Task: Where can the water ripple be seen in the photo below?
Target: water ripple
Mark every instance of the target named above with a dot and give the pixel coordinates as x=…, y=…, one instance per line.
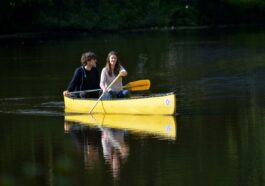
x=40, y=106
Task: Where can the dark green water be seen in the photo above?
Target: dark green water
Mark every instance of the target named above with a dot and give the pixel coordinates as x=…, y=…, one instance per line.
x=218, y=76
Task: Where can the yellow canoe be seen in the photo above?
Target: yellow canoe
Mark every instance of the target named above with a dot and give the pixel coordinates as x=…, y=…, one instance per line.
x=158, y=125
x=157, y=104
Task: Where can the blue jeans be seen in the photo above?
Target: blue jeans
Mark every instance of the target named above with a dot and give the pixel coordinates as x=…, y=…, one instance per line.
x=113, y=94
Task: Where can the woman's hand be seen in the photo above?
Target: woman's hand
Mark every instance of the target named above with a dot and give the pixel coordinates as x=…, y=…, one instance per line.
x=103, y=87
x=104, y=90
x=123, y=73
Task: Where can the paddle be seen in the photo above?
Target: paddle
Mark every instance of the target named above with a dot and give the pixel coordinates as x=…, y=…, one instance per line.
x=132, y=86
x=138, y=85
x=105, y=92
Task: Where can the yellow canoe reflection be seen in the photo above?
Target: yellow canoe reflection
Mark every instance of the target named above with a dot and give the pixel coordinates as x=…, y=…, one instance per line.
x=162, y=126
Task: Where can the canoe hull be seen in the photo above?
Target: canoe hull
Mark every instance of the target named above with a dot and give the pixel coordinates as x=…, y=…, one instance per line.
x=160, y=104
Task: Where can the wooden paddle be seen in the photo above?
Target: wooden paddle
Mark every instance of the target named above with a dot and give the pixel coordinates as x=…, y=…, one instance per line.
x=114, y=81
x=132, y=86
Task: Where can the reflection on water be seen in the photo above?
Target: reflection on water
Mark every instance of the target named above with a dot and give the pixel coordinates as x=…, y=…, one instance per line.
x=109, y=136
x=86, y=140
x=218, y=77
x=115, y=150
x=162, y=127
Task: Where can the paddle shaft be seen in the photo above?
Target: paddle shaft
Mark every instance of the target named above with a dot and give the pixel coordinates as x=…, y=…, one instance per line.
x=94, y=90
x=145, y=84
x=104, y=92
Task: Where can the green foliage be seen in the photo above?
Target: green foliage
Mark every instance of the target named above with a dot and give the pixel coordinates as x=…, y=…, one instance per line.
x=54, y=15
x=245, y=11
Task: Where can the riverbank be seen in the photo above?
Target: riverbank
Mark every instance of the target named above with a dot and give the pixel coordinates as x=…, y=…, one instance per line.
x=78, y=33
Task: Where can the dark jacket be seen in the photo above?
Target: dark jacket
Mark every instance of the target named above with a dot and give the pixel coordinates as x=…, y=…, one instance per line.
x=85, y=80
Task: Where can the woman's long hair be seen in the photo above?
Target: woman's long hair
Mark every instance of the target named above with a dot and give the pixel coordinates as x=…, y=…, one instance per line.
x=108, y=65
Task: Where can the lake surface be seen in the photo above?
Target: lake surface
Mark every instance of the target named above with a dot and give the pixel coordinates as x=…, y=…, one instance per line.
x=218, y=133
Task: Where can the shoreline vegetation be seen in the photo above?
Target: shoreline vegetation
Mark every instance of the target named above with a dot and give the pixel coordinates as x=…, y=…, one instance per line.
x=35, y=18
x=76, y=33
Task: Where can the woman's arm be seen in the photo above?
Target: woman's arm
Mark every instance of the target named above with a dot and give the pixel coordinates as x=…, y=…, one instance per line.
x=103, y=77
x=103, y=87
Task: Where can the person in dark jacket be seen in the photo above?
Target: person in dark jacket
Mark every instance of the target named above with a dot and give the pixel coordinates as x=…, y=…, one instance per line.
x=86, y=77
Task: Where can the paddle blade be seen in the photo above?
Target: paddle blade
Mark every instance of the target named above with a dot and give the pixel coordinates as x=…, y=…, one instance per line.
x=138, y=85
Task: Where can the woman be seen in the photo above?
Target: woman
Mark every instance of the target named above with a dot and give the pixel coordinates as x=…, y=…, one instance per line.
x=108, y=74
x=86, y=77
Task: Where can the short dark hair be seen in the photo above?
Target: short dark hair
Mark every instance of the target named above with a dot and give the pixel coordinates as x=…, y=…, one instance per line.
x=87, y=56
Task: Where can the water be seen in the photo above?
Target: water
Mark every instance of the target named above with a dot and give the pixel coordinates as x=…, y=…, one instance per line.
x=218, y=77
